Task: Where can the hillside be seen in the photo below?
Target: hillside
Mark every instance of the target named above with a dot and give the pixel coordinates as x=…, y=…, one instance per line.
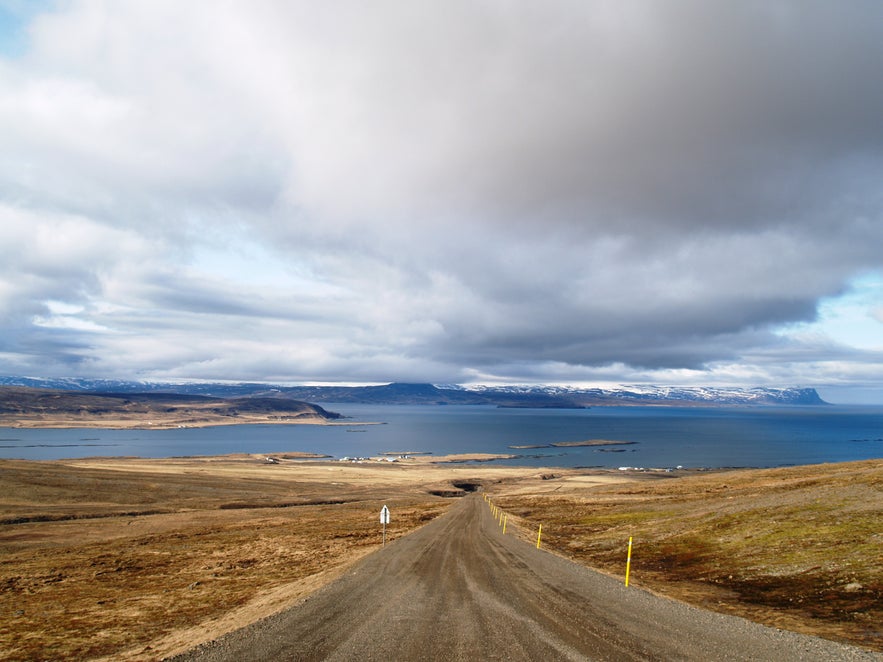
x=136, y=559
x=32, y=407
x=794, y=547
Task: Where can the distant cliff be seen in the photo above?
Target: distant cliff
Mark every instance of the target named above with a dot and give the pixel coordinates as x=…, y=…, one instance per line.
x=666, y=395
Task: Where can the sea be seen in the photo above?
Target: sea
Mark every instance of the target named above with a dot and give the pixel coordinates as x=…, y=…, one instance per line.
x=661, y=437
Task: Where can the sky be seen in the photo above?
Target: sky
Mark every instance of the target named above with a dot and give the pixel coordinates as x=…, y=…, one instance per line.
x=676, y=192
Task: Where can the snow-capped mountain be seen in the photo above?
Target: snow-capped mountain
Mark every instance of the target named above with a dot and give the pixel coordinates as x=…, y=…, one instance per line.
x=500, y=395
x=646, y=394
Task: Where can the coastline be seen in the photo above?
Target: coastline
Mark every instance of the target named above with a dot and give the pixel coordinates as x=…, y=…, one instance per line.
x=125, y=424
x=671, y=441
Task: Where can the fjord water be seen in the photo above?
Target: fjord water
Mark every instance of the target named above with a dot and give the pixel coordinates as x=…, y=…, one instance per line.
x=665, y=437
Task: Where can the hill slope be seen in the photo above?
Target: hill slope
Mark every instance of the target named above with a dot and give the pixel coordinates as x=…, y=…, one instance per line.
x=31, y=407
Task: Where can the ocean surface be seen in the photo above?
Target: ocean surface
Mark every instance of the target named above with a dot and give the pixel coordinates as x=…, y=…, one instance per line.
x=664, y=437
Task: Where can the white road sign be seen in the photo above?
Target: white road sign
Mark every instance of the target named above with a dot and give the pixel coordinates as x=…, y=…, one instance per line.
x=384, y=515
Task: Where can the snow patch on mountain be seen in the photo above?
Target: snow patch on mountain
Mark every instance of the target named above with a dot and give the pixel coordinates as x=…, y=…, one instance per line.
x=648, y=392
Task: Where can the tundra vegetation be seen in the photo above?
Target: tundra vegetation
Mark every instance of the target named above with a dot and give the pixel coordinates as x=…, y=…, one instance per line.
x=126, y=558
x=797, y=548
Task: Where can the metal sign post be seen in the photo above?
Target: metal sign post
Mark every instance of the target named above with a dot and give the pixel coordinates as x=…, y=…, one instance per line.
x=384, y=519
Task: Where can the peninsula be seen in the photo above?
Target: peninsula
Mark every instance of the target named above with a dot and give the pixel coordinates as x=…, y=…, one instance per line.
x=49, y=408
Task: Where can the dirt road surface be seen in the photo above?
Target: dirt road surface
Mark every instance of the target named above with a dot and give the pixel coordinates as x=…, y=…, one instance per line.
x=458, y=589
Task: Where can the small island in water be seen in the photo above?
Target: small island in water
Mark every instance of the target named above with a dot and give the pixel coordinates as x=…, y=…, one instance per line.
x=573, y=444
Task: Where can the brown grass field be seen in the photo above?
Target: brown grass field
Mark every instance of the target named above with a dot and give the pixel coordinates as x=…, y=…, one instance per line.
x=133, y=559
x=138, y=559
x=797, y=548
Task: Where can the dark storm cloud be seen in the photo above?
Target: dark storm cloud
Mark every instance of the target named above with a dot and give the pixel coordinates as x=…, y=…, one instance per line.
x=658, y=117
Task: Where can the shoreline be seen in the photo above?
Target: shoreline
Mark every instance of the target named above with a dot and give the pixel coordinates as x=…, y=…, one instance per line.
x=425, y=460
x=120, y=424
x=410, y=459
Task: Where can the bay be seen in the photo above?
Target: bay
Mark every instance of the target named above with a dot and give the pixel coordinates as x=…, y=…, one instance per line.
x=664, y=437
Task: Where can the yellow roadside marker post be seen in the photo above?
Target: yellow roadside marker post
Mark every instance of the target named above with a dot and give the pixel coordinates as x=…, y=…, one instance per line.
x=628, y=562
x=539, y=535
x=505, y=522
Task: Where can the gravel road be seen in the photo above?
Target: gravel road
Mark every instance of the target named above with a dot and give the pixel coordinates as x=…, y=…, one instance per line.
x=458, y=589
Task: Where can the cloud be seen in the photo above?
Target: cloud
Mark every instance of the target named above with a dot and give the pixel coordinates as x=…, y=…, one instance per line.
x=446, y=191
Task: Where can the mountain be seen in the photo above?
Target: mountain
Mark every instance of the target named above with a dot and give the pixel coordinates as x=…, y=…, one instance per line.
x=404, y=393
x=668, y=395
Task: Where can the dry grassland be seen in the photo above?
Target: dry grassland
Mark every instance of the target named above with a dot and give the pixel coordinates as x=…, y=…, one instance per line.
x=138, y=559
x=116, y=558
x=798, y=548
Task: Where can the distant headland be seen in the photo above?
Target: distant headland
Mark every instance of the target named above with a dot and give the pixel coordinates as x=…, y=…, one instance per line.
x=26, y=407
